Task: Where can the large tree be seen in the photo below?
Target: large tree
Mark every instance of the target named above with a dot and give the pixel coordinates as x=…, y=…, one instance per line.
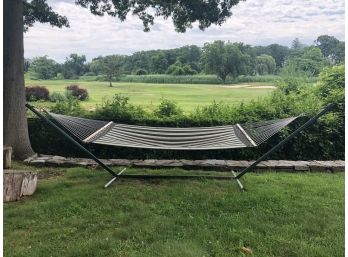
x=111, y=67
x=74, y=66
x=43, y=67
x=226, y=59
x=331, y=47
x=265, y=64
x=19, y=15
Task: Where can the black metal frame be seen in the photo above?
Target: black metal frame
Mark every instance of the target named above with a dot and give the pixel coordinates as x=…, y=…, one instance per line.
x=145, y=176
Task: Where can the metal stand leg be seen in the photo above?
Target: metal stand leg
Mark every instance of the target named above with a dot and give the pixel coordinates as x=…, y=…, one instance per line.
x=242, y=188
x=114, y=178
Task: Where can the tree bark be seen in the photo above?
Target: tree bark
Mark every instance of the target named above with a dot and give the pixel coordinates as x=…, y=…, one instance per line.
x=15, y=121
x=17, y=184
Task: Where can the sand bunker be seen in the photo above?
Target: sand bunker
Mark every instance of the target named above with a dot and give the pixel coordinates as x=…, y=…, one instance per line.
x=248, y=86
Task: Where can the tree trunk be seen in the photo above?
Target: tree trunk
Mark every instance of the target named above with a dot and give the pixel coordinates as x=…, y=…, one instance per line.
x=17, y=184
x=110, y=81
x=15, y=121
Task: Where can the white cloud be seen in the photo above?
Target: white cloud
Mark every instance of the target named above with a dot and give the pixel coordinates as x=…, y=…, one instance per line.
x=255, y=22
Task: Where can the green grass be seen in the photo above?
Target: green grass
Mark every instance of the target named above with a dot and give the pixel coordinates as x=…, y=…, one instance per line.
x=282, y=214
x=193, y=79
x=149, y=95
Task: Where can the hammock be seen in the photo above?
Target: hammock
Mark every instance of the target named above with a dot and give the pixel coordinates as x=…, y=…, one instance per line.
x=194, y=138
x=198, y=138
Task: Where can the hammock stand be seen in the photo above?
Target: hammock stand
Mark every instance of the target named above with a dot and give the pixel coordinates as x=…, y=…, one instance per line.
x=173, y=138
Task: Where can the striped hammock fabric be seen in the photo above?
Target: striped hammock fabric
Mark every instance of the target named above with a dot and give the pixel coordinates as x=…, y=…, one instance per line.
x=194, y=138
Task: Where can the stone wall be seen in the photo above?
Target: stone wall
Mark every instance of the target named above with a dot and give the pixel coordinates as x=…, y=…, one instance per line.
x=218, y=165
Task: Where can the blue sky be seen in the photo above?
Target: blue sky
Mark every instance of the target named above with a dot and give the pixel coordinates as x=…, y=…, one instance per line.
x=254, y=22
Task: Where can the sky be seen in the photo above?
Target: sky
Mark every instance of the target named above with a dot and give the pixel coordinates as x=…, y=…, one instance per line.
x=255, y=22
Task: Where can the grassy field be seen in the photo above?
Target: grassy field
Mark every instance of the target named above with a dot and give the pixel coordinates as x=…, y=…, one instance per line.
x=282, y=214
x=149, y=95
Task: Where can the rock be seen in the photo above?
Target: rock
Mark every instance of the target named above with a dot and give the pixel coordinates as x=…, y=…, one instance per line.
x=29, y=159
x=319, y=166
x=212, y=164
x=18, y=184
x=335, y=165
x=38, y=162
x=120, y=162
x=237, y=165
x=301, y=165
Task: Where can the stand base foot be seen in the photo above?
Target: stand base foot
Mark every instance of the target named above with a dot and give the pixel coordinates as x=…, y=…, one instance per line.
x=242, y=188
x=114, y=178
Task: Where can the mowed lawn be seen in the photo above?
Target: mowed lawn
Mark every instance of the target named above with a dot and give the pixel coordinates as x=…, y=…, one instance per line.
x=282, y=214
x=149, y=95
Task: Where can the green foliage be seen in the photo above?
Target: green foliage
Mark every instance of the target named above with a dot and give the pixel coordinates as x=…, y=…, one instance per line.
x=159, y=62
x=278, y=52
x=141, y=72
x=331, y=47
x=331, y=84
x=70, y=105
x=265, y=64
x=179, y=69
x=39, y=10
x=57, y=97
x=110, y=66
x=227, y=59
x=74, y=66
x=330, y=89
x=193, y=79
x=168, y=108
x=308, y=61
x=89, y=74
x=222, y=58
x=43, y=67
x=119, y=109
x=183, y=14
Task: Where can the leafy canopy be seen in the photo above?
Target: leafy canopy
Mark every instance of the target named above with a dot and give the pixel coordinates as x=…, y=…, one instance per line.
x=39, y=10
x=227, y=59
x=43, y=67
x=183, y=13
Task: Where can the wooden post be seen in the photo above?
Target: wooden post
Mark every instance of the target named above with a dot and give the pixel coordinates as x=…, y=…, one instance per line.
x=7, y=157
x=18, y=184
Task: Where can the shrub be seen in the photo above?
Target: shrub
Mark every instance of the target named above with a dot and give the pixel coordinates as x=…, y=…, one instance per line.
x=141, y=72
x=90, y=73
x=180, y=69
x=119, y=109
x=59, y=76
x=57, y=97
x=71, y=106
x=37, y=93
x=168, y=108
x=79, y=93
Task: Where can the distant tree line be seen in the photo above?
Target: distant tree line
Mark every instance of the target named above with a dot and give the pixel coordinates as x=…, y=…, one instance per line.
x=225, y=59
